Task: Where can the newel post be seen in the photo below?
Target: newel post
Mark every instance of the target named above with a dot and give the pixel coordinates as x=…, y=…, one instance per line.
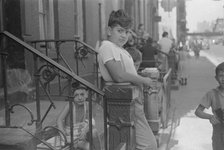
x=120, y=108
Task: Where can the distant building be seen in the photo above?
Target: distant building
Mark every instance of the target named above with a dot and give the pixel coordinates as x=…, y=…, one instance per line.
x=219, y=25
x=204, y=26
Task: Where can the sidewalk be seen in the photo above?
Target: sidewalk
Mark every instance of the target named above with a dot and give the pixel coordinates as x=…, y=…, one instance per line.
x=186, y=131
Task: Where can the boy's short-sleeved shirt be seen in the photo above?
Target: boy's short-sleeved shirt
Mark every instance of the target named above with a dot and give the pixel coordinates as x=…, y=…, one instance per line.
x=165, y=44
x=209, y=100
x=109, y=51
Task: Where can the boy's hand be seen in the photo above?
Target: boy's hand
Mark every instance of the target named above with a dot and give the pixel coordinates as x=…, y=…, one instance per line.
x=150, y=82
x=214, y=120
x=154, y=84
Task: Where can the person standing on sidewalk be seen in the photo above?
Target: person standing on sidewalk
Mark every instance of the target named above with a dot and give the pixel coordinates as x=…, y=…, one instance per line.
x=149, y=54
x=165, y=45
x=130, y=46
x=116, y=65
x=215, y=99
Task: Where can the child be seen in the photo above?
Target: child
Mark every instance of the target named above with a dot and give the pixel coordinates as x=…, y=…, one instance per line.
x=80, y=118
x=215, y=99
x=116, y=65
x=136, y=56
x=133, y=51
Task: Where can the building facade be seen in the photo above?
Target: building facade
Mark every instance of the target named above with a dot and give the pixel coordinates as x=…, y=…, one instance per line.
x=32, y=20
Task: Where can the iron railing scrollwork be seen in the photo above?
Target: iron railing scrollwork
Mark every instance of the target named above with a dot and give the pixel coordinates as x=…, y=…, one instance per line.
x=80, y=50
x=45, y=72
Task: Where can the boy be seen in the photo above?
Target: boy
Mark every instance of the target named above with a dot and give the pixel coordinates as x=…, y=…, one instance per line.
x=215, y=99
x=130, y=46
x=80, y=118
x=116, y=65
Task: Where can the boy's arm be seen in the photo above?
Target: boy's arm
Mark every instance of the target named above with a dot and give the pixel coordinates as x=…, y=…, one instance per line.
x=119, y=75
x=201, y=114
x=61, y=118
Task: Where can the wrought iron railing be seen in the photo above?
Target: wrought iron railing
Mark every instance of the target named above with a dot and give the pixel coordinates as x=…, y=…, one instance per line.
x=82, y=57
x=45, y=70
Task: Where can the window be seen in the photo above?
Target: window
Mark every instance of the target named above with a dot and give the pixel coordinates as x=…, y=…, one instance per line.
x=46, y=21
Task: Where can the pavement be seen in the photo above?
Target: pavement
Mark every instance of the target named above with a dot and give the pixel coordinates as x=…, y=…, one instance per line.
x=185, y=130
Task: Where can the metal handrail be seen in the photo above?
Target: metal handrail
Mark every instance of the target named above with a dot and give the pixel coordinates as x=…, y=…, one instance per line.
x=81, y=49
x=52, y=62
x=65, y=40
x=72, y=76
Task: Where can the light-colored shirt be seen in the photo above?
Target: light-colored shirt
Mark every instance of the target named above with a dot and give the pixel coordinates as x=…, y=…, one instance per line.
x=165, y=44
x=209, y=99
x=110, y=51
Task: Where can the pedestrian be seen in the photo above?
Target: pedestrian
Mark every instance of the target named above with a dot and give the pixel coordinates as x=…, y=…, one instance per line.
x=130, y=46
x=165, y=43
x=81, y=123
x=142, y=35
x=149, y=53
x=215, y=99
x=165, y=46
x=116, y=65
x=141, y=30
x=196, y=49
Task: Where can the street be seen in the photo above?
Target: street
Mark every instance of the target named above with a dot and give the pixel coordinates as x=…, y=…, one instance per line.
x=186, y=131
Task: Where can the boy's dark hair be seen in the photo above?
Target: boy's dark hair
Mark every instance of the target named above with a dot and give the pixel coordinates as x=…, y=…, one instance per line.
x=135, y=54
x=77, y=85
x=164, y=34
x=149, y=40
x=219, y=68
x=140, y=25
x=119, y=17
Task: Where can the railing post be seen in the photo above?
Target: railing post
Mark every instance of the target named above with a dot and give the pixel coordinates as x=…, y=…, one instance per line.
x=4, y=74
x=58, y=59
x=90, y=120
x=151, y=100
x=71, y=108
x=105, y=122
x=173, y=62
x=77, y=58
x=37, y=80
x=151, y=108
x=120, y=105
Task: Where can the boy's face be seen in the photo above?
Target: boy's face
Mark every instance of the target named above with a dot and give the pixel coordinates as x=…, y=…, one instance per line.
x=220, y=78
x=137, y=65
x=141, y=28
x=131, y=40
x=118, y=35
x=80, y=96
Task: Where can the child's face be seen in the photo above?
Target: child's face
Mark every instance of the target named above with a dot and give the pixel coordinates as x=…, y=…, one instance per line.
x=131, y=40
x=80, y=96
x=137, y=65
x=118, y=35
x=220, y=78
x=141, y=28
